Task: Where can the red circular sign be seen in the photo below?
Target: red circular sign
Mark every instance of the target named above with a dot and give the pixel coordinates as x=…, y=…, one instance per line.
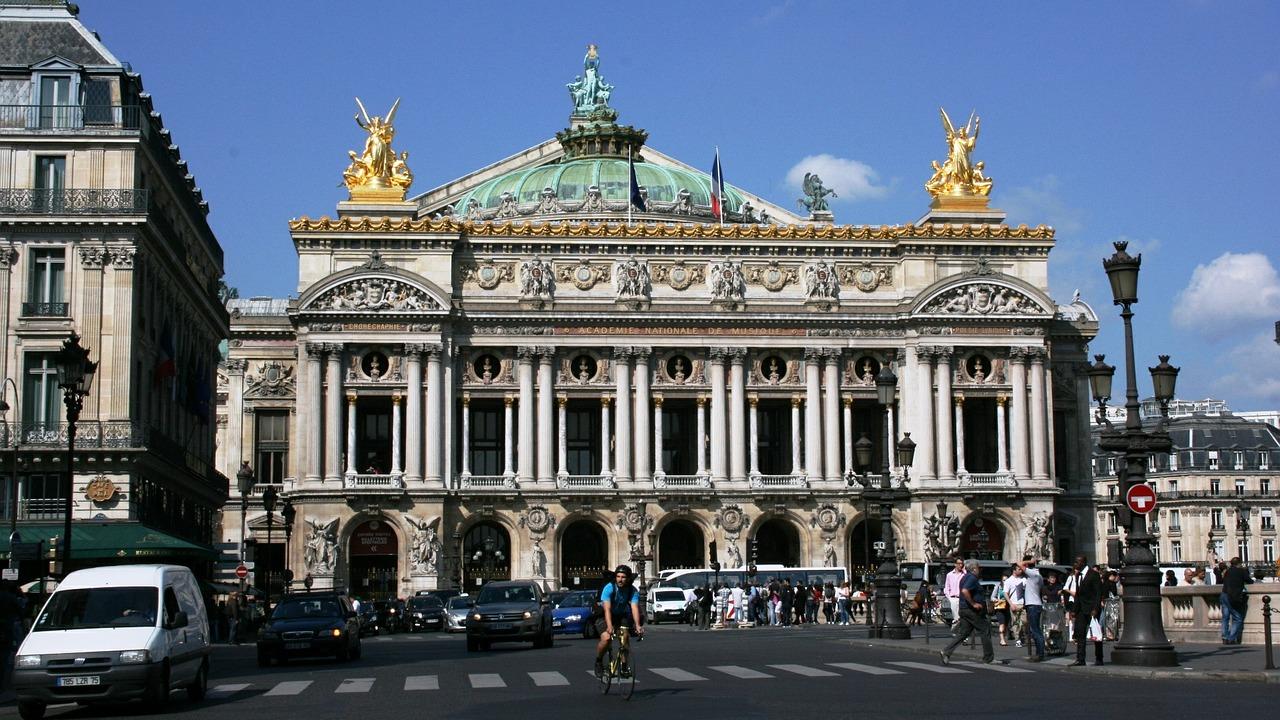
x=242, y=572
x=1141, y=498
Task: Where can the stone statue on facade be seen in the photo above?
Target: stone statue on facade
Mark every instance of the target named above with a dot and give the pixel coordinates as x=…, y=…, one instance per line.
x=320, y=551
x=725, y=281
x=537, y=559
x=535, y=278
x=377, y=171
x=815, y=194
x=734, y=556
x=589, y=91
x=820, y=281
x=829, y=553
x=1039, y=537
x=425, y=546
x=631, y=278
x=959, y=175
x=941, y=537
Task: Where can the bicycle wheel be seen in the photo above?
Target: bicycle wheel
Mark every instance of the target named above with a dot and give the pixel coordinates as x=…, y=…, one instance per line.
x=607, y=670
x=627, y=683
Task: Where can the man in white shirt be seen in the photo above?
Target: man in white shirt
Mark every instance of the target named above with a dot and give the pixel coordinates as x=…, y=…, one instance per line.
x=1032, y=583
x=951, y=588
x=1014, y=588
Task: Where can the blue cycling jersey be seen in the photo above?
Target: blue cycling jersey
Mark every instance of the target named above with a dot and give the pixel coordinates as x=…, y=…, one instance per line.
x=619, y=598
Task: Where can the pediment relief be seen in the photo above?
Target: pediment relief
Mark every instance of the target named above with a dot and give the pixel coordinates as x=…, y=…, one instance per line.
x=983, y=299
x=375, y=293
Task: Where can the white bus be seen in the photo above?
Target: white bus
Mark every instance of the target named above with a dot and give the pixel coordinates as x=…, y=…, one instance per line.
x=694, y=577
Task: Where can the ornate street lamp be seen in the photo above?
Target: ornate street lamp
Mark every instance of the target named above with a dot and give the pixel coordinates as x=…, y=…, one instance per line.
x=269, y=496
x=1100, y=376
x=244, y=483
x=287, y=513
x=1142, y=638
x=75, y=377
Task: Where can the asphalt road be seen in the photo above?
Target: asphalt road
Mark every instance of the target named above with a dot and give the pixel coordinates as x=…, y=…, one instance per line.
x=751, y=673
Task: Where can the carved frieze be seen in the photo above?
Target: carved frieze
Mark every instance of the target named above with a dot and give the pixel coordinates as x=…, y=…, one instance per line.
x=867, y=277
x=773, y=276
x=821, y=281
x=983, y=299
x=536, y=279
x=725, y=281
x=375, y=293
x=271, y=379
x=583, y=274
x=488, y=274
x=631, y=279
x=677, y=275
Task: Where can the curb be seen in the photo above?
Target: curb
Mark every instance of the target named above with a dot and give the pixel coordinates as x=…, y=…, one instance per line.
x=1271, y=677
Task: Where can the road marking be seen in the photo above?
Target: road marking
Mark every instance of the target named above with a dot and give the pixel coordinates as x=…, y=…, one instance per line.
x=805, y=670
x=416, y=637
x=676, y=674
x=228, y=689
x=994, y=667
x=289, y=687
x=868, y=669
x=940, y=669
x=1060, y=661
x=422, y=682
x=486, y=680
x=739, y=672
x=355, y=685
x=380, y=638
x=545, y=679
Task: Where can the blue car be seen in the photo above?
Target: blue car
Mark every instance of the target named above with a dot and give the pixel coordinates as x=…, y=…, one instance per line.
x=572, y=614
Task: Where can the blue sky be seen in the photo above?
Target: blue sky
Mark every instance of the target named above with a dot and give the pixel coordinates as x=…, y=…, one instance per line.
x=1135, y=120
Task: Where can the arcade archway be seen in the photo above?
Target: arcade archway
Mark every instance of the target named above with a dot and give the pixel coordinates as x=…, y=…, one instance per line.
x=373, y=554
x=863, y=556
x=584, y=555
x=486, y=552
x=681, y=545
x=778, y=543
x=982, y=538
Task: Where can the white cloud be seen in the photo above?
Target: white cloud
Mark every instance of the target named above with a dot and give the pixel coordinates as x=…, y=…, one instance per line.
x=851, y=179
x=1255, y=365
x=1233, y=292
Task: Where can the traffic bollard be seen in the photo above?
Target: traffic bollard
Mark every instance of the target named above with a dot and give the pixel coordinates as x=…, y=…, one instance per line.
x=1266, y=630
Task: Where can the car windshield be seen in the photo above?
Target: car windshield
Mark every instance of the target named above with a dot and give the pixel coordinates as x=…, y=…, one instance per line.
x=422, y=603
x=99, y=608
x=506, y=594
x=670, y=596
x=459, y=603
x=295, y=609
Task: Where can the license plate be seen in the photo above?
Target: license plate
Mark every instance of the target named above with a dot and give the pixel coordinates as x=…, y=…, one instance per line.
x=297, y=645
x=78, y=680
x=501, y=626
x=557, y=623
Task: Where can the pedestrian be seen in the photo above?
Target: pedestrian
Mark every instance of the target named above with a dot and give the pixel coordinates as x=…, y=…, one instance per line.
x=1111, y=605
x=739, y=610
x=1000, y=608
x=973, y=616
x=1235, y=603
x=786, y=599
x=829, y=602
x=812, y=602
x=1033, y=599
x=1170, y=580
x=233, y=619
x=915, y=611
x=775, y=602
x=798, y=601
x=951, y=588
x=1087, y=596
x=1014, y=592
x=842, y=603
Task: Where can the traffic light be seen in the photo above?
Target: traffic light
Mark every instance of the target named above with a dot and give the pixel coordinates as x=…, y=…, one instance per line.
x=715, y=558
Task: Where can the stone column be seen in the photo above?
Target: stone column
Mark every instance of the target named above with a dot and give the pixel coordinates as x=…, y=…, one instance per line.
x=604, y=436
x=1018, y=417
x=466, y=434
x=737, y=415
x=10, y=279
x=435, y=417
x=831, y=414
x=849, y=469
x=89, y=317
x=892, y=440
x=812, y=415
x=959, y=412
x=642, y=457
x=508, y=445
x=1049, y=420
x=700, y=446
x=235, y=414
x=122, y=330
x=562, y=436
x=1039, y=437
x=924, y=469
x=414, y=422
x=351, y=433
x=796, y=469
x=333, y=413
x=546, y=396
x=944, y=414
x=314, y=421
x=622, y=438
x=395, y=434
x=525, y=452
x=1002, y=435
x=719, y=444
x=753, y=400
x=657, y=437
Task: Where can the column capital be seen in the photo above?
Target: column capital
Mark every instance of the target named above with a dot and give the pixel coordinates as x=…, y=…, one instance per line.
x=546, y=352
x=657, y=400
x=753, y=399
x=701, y=400
x=236, y=366
x=848, y=400
x=508, y=400
x=316, y=349
x=1018, y=354
x=1002, y=400
x=814, y=354
x=717, y=354
x=833, y=354
x=641, y=352
x=562, y=399
x=797, y=401
x=1037, y=355
x=943, y=353
x=924, y=352
x=736, y=355
x=395, y=399
x=605, y=399
x=959, y=399
x=466, y=399
x=526, y=353
x=621, y=352
x=351, y=398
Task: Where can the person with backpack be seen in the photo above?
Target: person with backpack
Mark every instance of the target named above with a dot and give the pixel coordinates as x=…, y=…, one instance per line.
x=620, y=602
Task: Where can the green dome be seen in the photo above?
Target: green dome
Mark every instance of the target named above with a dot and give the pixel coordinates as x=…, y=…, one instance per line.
x=571, y=179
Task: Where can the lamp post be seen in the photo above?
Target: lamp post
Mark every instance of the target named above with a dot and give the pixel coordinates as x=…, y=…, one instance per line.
x=488, y=557
x=454, y=560
x=244, y=483
x=269, y=496
x=1142, y=638
x=75, y=378
x=14, y=535
x=287, y=513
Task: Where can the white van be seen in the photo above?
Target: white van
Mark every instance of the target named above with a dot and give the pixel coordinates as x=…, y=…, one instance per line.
x=664, y=603
x=115, y=633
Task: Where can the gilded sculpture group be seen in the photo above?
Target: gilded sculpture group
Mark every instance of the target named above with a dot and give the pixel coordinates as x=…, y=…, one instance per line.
x=377, y=170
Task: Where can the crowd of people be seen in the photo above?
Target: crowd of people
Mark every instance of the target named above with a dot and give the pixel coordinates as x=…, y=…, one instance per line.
x=777, y=603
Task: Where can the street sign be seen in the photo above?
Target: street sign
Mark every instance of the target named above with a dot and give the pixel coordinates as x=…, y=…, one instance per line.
x=9, y=574
x=242, y=572
x=1141, y=498
x=878, y=545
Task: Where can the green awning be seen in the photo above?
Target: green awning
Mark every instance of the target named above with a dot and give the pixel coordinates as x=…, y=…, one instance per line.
x=112, y=540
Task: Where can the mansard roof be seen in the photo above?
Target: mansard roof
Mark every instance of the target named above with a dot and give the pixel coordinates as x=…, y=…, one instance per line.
x=32, y=32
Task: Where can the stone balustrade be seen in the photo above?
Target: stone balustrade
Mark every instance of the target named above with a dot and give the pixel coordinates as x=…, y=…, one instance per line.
x=1192, y=613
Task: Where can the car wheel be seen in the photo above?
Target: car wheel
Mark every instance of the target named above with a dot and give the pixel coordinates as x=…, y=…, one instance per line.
x=30, y=709
x=200, y=686
x=157, y=696
x=473, y=645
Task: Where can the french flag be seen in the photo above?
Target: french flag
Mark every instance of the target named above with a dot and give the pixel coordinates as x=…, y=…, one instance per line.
x=717, y=188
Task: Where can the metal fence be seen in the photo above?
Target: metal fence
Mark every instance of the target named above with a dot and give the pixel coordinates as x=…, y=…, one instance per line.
x=73, y=201
x=70, y=118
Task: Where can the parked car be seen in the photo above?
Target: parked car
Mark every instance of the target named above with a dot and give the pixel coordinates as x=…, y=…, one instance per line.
x=310, y=624
x=425, y=612
x=665, y=603
x=370, y=623
x=444, y=595
x=115, y=633
x=510, y=611
x=572, y=614
x=456, y=610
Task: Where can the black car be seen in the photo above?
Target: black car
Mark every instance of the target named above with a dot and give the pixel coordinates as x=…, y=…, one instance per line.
x=509, y=611
x=370, y=624
x=310, y=624
x=425, y=612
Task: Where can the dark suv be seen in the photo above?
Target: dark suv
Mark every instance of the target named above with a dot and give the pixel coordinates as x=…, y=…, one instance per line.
x=509, y=611
x=310, y=624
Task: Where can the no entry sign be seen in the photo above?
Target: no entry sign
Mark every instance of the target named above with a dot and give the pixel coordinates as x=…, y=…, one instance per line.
x=242, y=572
x=1141, y=498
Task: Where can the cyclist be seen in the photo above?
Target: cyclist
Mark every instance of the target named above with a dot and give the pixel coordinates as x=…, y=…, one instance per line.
x=615, y=599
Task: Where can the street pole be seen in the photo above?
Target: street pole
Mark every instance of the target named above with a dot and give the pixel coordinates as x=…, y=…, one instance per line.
x=269, y=505
x=14, y=536
x=75, y=377
x=244, y=482
x=888, y=586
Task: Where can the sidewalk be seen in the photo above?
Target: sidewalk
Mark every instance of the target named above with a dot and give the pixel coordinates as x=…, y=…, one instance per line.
x=1235, y=663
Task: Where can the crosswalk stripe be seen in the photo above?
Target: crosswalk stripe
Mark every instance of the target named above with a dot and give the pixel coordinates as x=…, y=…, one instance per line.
x=422, y=682
x=940, y=669
x=487, y=680
x=676, y=674
x=740, y=672
x=228, y=688
x=1060, y=661
x=994, y=667
x=868, y=669
x=355, y=685
x=546, y=679
x=380, y=638
x=805, y=670
x=289, y=687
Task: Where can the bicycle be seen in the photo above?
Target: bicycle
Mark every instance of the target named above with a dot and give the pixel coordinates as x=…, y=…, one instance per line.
x=616, y=664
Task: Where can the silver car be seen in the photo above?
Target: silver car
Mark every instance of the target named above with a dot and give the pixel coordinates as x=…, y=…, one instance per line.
x=455, y=613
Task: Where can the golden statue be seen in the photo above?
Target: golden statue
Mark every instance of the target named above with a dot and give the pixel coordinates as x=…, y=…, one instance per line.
x=959, y=176
x=377, y=173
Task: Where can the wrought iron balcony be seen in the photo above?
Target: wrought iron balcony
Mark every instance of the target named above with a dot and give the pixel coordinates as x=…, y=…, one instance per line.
x=44, y=309
x=76, y=119
x=73, y=201
x=89, y=434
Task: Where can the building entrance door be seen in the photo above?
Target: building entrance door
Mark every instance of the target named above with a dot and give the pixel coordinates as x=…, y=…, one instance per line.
x=372, y=558
x=584, y=556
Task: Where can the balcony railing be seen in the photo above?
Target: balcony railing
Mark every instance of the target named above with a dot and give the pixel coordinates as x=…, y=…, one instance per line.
x=585, y=481
x=372, y=480
x=778, y=481
x=478, y=482
x=91, y=119
x=682, y=481
x=73, y=201
x=89, y=434
x=997, y=480
x=42, y=509
x=44, y=309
